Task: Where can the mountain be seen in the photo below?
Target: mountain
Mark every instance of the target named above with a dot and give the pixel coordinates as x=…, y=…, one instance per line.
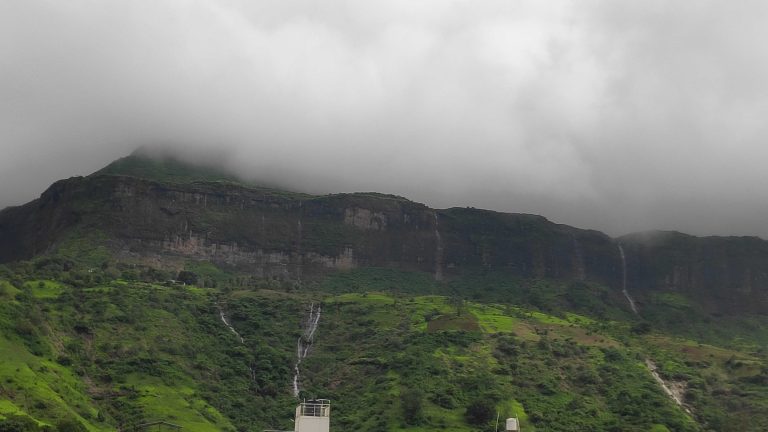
x=166, y=212
x=156, y=289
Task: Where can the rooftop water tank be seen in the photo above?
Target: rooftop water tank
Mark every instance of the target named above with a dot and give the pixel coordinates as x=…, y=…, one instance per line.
x=512, y=425
x=313, y=416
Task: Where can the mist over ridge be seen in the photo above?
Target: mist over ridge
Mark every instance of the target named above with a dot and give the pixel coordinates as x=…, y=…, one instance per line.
x=614, y=117
x=165, y=163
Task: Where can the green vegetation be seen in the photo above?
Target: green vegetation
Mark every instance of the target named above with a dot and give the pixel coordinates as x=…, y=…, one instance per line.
x=107, y=347
x=170, y=170
x=121, y=320
x=116, y=353
x=86, y=247
x=165, y=169
x=462, y=374
x=380, y=279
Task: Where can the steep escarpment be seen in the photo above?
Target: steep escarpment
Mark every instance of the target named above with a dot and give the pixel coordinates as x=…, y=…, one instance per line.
x=722, y=273
x=166, y=220
x=527, y=245
x=277, y=234
x=33, y=228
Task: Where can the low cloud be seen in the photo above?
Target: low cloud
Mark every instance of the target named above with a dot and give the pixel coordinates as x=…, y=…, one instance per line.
x=600, y=114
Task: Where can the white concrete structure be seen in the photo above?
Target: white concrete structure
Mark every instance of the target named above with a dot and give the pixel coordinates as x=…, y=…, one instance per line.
x=512, y=425
x=313, y=416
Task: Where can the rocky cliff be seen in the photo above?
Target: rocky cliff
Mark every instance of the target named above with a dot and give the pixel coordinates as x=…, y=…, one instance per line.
x=276, y=234
x=722, y=273
x=281, y=234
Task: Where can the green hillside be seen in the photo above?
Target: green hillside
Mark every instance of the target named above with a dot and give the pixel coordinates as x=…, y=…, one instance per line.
x=171, y=170
x=165, y=169
x=155, y=290
x=113, y=347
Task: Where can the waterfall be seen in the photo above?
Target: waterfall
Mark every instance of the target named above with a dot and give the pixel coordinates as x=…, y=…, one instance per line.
x=229, y=326
x=624, y=280
x=675, y=391
x=438, y=252
x=304, y=343
x=226, y=322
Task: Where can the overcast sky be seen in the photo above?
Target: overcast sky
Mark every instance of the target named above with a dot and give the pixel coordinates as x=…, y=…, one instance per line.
x=612, y=115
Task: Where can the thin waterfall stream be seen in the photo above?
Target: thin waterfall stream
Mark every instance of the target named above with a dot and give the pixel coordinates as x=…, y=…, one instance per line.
x=624, y=280
x=674, y=391
x=229, y=326
x=304, y=343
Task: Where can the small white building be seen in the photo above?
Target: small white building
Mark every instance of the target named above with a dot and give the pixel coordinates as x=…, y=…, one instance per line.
x=313, y=416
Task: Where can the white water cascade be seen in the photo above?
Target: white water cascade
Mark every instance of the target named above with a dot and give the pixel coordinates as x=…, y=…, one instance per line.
x=239, y=337
x=305, y=342
x=675, y=391
x=229, y=326
x=624, y=280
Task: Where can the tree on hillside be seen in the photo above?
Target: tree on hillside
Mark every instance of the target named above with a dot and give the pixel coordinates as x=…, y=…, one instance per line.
x=70, y=425
x=479, y=412
x=411, y=401
x=187, y=277
x=18, y=423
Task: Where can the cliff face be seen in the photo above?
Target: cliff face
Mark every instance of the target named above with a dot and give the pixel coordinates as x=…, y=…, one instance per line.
x=280, y=234
x=277, y=234
x=722, y=273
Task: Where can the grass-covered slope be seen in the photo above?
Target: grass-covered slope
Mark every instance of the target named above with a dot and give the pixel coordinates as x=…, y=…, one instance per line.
x=108, y=347
x=115, y=354
x=165, y=169
x=168, y=169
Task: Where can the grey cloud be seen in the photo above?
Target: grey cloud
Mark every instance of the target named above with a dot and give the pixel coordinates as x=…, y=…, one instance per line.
x=617, y=116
